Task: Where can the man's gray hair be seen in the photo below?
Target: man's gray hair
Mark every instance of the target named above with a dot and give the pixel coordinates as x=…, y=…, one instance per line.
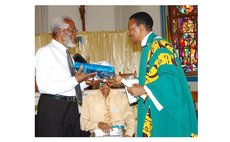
x=59, y=24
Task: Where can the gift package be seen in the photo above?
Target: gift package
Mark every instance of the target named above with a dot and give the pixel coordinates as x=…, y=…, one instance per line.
x=103, y=71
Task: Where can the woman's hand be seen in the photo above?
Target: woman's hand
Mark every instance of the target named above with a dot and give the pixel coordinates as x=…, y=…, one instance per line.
x=105, y=127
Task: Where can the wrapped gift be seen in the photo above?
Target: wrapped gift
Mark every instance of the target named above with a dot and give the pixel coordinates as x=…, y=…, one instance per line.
x=116, y=131
x=103, y=71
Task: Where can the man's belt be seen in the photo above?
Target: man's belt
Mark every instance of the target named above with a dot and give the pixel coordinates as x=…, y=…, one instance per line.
x=60, y=97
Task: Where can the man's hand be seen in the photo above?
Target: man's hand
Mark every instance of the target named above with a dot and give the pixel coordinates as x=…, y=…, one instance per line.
x=105, y=127
x=114, y=81
x=136, y=90
x=80, y=77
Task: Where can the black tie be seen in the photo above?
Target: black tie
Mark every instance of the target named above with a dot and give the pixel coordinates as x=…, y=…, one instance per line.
x=73, y=72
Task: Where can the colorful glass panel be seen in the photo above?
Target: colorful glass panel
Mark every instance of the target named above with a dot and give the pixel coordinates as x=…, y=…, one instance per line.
x=185, y=9
x=184, y=35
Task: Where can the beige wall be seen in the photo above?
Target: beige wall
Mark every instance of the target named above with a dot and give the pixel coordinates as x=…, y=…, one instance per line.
x=73, y=11
x=154, y=11
x=98, y=18
x=193, y=86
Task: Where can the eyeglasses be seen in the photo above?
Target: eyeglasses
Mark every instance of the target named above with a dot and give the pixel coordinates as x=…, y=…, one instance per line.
x=102, y=87
x=72, y=30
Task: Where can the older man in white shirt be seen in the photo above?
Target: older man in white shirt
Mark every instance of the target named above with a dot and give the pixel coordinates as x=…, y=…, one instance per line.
x=56, y=78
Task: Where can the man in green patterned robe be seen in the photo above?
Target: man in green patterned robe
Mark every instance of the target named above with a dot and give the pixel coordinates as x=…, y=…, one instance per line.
x=166, y=109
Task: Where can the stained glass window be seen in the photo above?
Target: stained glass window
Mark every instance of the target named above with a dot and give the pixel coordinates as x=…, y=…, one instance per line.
x=184, y=34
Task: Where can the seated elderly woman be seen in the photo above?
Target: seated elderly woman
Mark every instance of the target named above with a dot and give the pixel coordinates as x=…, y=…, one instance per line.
x=105, y=108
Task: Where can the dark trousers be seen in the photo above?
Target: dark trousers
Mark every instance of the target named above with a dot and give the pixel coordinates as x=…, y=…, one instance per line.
x=57, y=118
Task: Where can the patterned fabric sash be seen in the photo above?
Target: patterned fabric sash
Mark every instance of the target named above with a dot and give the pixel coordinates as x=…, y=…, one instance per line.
x=107, y=115
x=147, y=125
x=152, y=64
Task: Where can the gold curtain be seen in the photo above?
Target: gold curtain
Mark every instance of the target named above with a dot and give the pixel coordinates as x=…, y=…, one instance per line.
x=114, y=47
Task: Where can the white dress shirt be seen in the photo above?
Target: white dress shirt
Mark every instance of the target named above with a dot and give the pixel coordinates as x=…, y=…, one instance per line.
x=52, y=71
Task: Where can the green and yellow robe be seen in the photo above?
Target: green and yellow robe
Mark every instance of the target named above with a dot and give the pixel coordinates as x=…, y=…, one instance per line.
x=160, y=70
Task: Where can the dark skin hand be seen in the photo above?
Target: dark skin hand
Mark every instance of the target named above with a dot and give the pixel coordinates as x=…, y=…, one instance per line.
x=105, y=127
x=136, y=90
x=114, y=81
x=80, y=77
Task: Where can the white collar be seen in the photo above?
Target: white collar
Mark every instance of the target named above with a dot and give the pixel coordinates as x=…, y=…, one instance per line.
x=59, y=45
x=144, y=41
